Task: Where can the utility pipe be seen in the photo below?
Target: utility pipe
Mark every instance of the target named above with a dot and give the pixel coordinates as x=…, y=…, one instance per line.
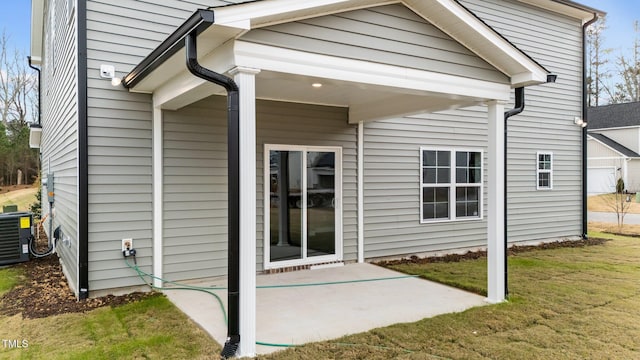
x=584, y=129
x=519, y=107
x=233, y=158
x=39, y=90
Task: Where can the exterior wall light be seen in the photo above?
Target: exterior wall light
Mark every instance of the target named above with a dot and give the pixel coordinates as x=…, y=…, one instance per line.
x=578, y=121
x=109, y=72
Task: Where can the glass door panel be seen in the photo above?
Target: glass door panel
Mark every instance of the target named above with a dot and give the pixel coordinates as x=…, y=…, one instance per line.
x=302, y=208
x=286, y=217
x=321, y=233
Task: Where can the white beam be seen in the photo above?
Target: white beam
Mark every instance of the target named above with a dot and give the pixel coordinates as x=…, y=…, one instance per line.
x=375, y=76
x=245, y=78
x=157, y=196
x=495, y=222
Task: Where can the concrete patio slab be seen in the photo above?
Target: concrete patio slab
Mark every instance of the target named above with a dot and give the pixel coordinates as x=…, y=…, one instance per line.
x=298, y=315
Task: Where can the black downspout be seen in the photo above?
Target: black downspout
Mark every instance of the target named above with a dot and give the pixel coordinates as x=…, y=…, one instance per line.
x=39, y=90
x=83, y=155
x=584, y=129
x=507, y=114
x=233, y=143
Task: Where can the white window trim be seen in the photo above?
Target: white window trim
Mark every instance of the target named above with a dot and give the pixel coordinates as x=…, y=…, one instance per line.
x=452, y=185
x=539, y=171
x=338, y=256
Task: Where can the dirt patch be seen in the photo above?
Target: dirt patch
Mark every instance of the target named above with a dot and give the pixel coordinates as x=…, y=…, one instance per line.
x=44, y=291
x=473, y=255
x=9, y=188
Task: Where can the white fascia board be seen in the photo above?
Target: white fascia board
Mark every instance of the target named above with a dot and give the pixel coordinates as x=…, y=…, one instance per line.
x=184, y=88
x=391, y=78
x=528, y=78
x=456, y=21
x=37, y=22
x=263, y=13
x=563, y=9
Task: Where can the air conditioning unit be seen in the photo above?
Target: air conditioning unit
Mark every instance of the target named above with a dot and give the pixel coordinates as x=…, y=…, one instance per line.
x=15, y=231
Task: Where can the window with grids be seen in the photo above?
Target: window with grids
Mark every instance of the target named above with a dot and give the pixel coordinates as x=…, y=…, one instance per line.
x=545, y=171
x=451, y=185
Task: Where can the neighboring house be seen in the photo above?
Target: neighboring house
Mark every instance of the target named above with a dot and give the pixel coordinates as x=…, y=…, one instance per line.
x=377, y=128
x=613, y=147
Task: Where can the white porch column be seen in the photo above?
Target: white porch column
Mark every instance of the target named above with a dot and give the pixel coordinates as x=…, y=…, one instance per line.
x=495, y=222
x=157, y=196
x=360, y=191
x=245, y=78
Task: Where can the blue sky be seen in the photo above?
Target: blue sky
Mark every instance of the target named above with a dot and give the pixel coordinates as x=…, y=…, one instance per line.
x=15, y=18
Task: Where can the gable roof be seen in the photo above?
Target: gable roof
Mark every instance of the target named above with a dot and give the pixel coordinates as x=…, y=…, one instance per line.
x=448, y=15
x=613, y=116
x=614, y=145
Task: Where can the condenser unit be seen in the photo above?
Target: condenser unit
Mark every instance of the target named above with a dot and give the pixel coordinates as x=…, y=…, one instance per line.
x=15, y=231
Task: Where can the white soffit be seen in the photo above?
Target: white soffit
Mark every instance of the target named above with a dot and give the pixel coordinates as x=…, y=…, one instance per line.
x=37, y=21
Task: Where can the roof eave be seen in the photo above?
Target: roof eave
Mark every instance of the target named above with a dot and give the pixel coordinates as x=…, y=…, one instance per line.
x=199, y=21
x=37, y=21
x=567, y=8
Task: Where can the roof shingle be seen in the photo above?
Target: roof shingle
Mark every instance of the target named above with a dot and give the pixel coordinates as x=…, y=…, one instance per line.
x=613, y=116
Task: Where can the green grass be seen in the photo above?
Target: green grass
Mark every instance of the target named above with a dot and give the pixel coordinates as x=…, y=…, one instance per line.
x=149, y=329
x=567, y=303
x=9, y=277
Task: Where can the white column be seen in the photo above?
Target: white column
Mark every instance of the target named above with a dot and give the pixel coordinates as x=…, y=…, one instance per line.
x=360, y=192
x=157, y=196
x=495, y=221
x=245, y=78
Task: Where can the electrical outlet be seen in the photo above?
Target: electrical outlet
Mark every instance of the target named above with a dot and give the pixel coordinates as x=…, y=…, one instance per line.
x=127, y=244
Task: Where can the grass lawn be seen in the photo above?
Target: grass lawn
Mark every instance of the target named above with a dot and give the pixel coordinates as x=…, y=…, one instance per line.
x=23, y=198
x=148, y=329
x=567, y=303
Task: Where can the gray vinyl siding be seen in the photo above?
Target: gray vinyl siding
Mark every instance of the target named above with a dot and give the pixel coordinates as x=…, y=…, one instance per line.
x=195, y=190
x=195, y=177
x=392, y=182
x=555, y=41
x=121, y=34
x=392, y=148
x=60, y=131
x=390, y=34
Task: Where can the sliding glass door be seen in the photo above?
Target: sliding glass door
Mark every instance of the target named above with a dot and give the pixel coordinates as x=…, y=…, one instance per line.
x=302, y=208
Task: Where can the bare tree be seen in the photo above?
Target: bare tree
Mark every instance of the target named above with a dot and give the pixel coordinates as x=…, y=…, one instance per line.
x=620, y=202
x=18, y=89
x=628, y=90
x=597, y=61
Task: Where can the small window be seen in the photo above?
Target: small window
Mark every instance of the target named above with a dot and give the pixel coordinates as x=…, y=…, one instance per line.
x=544, y=171
x=451, y=185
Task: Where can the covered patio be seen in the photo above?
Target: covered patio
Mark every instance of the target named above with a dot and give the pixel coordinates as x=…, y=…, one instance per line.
x=299, y=307
x=371, y=88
